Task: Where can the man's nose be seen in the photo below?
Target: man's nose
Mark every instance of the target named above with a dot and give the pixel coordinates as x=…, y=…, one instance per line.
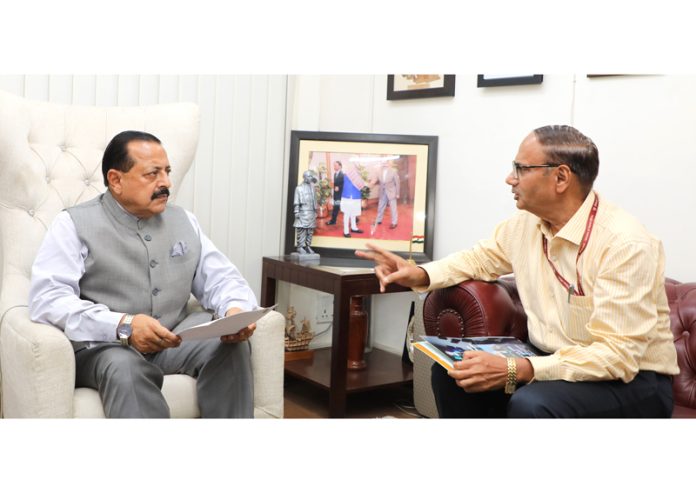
x=511, y=179
x=166, y=181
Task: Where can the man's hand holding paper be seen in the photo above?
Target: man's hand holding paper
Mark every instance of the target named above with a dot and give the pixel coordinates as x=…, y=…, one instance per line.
x=236, y=326
x=243, y=334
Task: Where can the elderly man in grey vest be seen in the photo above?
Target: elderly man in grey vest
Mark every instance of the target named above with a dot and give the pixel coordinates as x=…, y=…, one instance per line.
x=116, y=273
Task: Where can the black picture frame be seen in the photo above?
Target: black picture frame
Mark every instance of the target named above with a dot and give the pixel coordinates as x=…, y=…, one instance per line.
x=516, y=80
x=415, y=159
x=431, y=86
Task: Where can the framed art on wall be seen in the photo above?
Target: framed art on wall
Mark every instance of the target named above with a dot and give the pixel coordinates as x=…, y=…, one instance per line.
x=419, y=86
x=508, y=80
x=370, y=187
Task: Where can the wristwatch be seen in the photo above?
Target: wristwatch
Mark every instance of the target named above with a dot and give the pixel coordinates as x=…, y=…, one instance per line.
x=125, y=330
x=511, y=381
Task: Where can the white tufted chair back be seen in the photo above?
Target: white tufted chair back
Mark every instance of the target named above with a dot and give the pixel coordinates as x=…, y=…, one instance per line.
x=50, y=159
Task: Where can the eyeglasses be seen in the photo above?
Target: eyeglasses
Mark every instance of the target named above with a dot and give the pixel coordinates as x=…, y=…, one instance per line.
x=516, y=167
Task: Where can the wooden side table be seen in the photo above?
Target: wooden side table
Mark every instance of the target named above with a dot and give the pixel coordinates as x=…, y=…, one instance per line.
x=328, y=369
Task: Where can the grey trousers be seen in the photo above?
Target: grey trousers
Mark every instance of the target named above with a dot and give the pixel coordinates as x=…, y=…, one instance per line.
x=129, y=383
x=382, y=206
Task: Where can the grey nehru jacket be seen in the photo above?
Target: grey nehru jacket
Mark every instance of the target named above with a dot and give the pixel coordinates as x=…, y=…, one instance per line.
x=137, y=265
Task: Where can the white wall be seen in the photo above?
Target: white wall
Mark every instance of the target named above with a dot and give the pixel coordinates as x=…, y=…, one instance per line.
x=236, y=184
x=644, y=127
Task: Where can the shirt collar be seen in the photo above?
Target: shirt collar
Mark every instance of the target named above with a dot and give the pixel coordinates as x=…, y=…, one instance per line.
x=574, y=229
x=121, y=214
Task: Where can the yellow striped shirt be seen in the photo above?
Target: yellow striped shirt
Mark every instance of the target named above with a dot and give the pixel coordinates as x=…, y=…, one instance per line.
x=619, y=327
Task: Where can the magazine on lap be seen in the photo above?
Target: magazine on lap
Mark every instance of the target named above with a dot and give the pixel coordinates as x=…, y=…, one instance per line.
x=447, y=350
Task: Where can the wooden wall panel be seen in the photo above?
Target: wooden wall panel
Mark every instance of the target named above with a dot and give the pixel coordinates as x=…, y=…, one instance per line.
x=148, y=90
x=205, y=155
x=84, y=90
x=224, y=201
x=37, y=87
x=13, y=84
x=106, y=90
x=128, y=90
x=60, y=89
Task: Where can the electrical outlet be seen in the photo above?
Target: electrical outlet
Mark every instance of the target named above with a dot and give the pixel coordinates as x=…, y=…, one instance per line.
x=324, y=308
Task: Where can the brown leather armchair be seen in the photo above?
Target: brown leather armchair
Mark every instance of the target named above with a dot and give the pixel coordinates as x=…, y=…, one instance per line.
x=477, y=308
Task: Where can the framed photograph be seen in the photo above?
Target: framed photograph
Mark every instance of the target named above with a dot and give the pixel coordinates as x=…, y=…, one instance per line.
x=370, y=187
x=419, y=86
x=508, y=80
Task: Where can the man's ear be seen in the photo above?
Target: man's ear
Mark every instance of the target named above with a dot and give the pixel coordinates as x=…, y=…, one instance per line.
x=563, y=177
x=114, y=176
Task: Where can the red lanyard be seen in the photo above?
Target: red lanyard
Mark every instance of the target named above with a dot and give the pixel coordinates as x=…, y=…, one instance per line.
x=585, y=239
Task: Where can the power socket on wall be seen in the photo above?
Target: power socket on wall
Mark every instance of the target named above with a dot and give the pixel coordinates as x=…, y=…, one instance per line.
x=324, y=308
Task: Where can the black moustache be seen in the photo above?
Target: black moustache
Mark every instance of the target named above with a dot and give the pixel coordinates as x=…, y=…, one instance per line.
x=162, y=192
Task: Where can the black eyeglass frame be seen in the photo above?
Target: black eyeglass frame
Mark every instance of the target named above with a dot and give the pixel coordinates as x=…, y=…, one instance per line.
x=516, y=167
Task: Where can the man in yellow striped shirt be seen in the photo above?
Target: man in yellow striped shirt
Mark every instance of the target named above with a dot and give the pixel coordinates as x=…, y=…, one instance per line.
x=591, y=280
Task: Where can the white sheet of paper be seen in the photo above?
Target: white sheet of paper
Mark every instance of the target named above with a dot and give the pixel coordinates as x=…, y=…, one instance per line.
x=223, y=326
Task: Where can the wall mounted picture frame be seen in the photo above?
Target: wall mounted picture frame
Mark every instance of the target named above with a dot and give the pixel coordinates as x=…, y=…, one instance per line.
x=406, y=162
x=419, y=86
x=508, y=80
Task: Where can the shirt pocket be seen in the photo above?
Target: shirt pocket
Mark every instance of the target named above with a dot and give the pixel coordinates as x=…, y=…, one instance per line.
x=180, y=260
x=577, y=317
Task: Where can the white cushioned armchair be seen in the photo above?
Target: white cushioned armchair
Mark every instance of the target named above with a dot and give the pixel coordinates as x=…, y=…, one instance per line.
x=50, y=159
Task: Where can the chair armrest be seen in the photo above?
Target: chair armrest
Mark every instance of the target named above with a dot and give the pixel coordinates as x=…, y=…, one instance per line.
x=268, y=365
x=38, y=368
x=682, y=312
x=475, y=309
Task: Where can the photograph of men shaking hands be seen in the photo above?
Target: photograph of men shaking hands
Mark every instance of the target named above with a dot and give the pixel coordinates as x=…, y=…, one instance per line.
x=371, y=195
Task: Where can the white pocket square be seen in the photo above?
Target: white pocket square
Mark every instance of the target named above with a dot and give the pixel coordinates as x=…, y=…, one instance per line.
x=179, y=248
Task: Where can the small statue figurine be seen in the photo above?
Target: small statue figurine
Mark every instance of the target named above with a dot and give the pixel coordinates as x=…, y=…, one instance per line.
x=305, y=209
